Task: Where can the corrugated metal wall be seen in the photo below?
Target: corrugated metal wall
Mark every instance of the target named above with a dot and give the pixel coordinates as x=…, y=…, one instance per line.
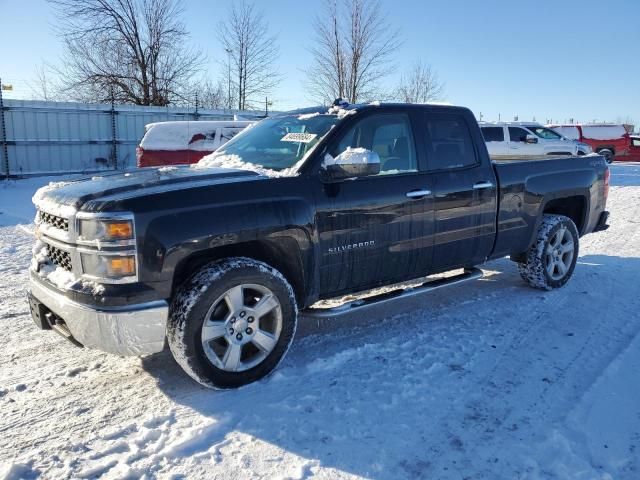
x=55, y=137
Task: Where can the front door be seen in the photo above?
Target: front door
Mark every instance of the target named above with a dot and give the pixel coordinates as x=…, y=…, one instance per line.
x=518, y=143
x=375, y=230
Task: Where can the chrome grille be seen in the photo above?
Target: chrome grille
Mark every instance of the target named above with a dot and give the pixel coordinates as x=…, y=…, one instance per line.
x=59, y=257
x=54, y=221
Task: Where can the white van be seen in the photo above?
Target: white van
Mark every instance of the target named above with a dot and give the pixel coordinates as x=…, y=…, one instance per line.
x=524, y=139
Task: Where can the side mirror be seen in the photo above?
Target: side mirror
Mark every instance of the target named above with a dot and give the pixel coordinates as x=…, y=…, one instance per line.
x=531, y=139
x=352, y=163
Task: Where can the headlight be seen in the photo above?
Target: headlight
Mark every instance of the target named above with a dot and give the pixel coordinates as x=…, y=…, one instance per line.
x=107, y=230
x=113, y=267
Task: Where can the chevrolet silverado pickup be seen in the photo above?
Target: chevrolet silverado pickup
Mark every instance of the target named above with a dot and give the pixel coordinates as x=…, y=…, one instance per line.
x=218, y=259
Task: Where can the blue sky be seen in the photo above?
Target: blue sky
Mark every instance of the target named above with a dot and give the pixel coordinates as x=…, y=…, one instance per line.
x=544, y=59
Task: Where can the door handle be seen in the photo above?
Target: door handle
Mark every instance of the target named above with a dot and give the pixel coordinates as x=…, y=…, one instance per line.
x=418, y=193
x=482, y=185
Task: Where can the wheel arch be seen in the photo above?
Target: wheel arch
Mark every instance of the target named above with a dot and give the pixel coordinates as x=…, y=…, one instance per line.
x=283, y=255
x=574, y=207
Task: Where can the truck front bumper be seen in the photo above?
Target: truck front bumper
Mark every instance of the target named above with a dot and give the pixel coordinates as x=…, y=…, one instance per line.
x=137, y=329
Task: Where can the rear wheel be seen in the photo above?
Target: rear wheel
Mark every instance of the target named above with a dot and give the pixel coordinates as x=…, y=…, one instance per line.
x=232, y=322
x=607, y=154
x=551, y=260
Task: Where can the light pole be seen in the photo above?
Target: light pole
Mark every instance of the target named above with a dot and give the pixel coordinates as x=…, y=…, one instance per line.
x=228, y=50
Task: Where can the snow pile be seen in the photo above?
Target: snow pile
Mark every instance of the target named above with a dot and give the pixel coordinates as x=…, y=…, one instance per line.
x=40, y=200
x=61, y=278
x=222, y=160
x=349, y=157
x=341, y=112
x=307, y=116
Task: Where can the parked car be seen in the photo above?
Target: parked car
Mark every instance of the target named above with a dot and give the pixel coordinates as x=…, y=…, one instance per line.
x=220, y=261
x=634, y=148
x=520, y=139
x=185, y=142
x=609, y=140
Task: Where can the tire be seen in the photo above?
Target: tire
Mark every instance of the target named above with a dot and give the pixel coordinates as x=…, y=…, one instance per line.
x=551, y=260
x=232, y=322
x=607, y=154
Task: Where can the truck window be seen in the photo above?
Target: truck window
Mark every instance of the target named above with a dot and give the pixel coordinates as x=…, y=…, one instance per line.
x=389, y=135
x=493, y=134
x=545, y=133
x=518, y=134
x=449, y=143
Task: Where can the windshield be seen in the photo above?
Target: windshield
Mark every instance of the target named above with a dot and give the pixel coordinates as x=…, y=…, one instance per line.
x=546, y=133
x=280, y=142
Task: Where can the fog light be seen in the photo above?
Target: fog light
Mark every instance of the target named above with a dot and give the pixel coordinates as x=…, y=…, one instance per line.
x=108, y=266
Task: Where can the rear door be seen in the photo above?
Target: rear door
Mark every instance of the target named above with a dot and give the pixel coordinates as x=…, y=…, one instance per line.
x=376, y=230
x=464, y=185
x=495, y=139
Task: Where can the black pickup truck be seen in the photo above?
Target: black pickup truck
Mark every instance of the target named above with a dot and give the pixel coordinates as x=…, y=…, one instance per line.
x=219, y=258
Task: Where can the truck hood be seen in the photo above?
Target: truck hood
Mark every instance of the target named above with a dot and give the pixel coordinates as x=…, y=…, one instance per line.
x=71, y=195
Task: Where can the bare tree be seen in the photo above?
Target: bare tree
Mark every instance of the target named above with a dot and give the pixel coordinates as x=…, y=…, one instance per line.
x=252, y=54
x=133, y=48
x=353, y=51
x=207, y=93
x=42, y=87
x=420, y=85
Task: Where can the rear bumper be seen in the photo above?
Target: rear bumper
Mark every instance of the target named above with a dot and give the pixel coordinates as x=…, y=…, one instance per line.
x=137, y=329
x=602, y=222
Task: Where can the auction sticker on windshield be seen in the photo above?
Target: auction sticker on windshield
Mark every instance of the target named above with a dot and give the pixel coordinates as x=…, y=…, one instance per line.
x=298, y=137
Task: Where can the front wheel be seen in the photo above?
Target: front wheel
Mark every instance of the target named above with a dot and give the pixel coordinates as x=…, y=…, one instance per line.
x=232, y=322
x=551, y=260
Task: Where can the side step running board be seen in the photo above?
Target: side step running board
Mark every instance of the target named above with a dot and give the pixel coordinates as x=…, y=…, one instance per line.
x=363, y=304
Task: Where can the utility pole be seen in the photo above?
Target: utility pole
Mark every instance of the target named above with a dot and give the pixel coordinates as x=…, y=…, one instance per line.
x=3, y=132
x=114, y=138
x=229, y=76
x=266, y=106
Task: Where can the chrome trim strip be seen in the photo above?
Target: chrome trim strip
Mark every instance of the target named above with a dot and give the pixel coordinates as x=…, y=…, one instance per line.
x=418, y=193
x=482, y=185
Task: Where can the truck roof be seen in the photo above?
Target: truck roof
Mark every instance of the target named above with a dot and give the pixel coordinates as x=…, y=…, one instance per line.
x=509, y=124
x=320, y=109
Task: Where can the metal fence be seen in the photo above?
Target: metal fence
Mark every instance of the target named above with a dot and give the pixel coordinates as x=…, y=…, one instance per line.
x=39, y=137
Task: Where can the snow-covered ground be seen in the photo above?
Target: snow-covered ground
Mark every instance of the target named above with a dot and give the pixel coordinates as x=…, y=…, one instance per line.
x=488, y=380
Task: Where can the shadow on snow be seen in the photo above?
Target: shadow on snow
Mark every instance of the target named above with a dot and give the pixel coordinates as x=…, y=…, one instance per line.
x=361, y=394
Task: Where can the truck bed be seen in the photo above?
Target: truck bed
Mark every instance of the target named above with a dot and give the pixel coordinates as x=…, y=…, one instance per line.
x=527, y=185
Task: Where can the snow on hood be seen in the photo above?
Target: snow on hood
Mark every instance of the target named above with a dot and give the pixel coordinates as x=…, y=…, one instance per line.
x=43, y=202
x=222, y=160
x=64, y=198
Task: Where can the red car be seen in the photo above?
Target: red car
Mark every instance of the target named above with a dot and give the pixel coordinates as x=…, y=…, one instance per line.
x=179, y=143
x=608, y=139
x=634, y=149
